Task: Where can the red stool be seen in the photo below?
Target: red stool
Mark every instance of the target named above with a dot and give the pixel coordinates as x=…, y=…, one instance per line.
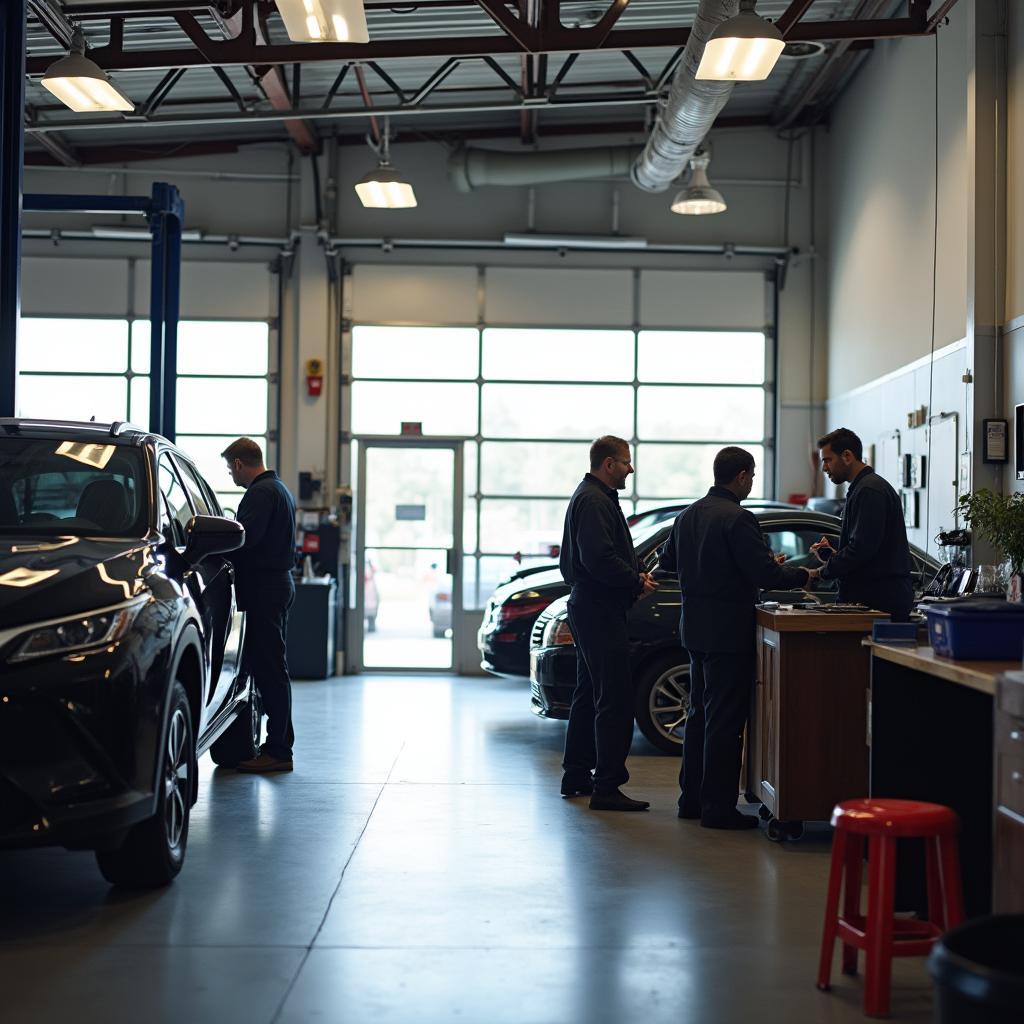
x=878, y=933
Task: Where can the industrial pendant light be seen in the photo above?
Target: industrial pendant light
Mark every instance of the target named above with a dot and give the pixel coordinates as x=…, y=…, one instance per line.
x=384, y=188
x=324, y=21
x=742, y=49
x=699, y=197
x=81, y=84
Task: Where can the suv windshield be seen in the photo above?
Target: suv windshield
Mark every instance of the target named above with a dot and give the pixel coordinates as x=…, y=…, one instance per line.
x=56, y=486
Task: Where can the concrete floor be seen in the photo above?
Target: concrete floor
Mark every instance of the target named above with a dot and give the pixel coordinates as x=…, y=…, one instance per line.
x=419, y=866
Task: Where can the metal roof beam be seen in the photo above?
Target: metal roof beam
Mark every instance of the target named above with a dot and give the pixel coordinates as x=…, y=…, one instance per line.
x=245, y=50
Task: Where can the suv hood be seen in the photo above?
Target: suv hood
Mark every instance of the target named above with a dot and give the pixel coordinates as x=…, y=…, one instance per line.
x=45, y=578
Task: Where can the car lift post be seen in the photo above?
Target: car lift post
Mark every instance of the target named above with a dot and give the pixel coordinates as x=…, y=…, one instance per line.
x=164, y=211
x=12, y=146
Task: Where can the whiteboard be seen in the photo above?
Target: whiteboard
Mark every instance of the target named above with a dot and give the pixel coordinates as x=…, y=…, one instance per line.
x=942, y=478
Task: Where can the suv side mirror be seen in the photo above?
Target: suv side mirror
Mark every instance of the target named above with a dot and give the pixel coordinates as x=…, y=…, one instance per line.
x=211, y=535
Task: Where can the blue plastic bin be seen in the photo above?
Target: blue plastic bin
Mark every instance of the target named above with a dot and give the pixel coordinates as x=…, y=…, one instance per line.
x=980, y=630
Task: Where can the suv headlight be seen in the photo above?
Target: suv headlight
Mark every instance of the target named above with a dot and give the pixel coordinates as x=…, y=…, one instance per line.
x=76, y=633
x=557, y=632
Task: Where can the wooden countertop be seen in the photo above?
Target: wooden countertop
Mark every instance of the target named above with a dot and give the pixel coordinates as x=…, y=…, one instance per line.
x=809, y=620
x=978, y=675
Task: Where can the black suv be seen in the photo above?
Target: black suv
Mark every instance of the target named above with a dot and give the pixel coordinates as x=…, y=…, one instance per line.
x=120, y=644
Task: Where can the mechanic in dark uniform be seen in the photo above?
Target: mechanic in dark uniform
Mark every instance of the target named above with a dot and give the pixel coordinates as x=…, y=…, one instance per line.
x=722, y=561
x=599, y=563
x=265, y=590
x=872, y=563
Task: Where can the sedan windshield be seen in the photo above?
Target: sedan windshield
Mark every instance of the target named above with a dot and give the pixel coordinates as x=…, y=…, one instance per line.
x=56, y=486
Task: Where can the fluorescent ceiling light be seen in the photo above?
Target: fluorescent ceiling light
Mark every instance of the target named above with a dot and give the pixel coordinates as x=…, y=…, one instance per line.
x=385, y=189
x=324, y=21
x=81, y=84
x=742, y=49
x=533, y=241
x=699, y=197
x=125, y=233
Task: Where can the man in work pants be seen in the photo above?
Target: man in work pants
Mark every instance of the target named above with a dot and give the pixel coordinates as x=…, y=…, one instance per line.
x=265, y=591
x=722, y=561
x=599, y=563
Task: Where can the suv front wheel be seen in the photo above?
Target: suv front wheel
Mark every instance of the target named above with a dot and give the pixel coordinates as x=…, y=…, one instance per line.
x=154, y=850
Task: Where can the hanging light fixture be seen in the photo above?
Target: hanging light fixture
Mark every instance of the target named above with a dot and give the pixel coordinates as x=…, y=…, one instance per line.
x=699, y=197
x=742, y=49
x=324, y=21
x=384, y=188
x=81, y=84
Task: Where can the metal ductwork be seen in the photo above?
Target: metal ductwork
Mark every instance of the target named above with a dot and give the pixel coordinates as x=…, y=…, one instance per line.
x=691, y=107
x=473, y=168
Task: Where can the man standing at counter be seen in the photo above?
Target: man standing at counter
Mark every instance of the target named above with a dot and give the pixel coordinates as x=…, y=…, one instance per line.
x=721, y=558
x=872, y=564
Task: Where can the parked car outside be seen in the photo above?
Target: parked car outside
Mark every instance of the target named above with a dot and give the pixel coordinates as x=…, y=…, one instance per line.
x=120, y=644
x=503, y=638
x=660, y=667
x=371, y=596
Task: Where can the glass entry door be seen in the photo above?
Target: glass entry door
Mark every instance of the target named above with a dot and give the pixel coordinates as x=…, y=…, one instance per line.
x=409, y=562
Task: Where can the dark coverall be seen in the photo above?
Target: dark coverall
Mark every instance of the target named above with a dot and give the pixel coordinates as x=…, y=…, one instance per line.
x=263, y=583
x=722, y=561
x=599, y=563
x=872, y=564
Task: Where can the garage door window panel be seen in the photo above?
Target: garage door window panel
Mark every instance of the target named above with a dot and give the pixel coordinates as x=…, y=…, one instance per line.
x=519, y=468
x=72, y=346
x=73, y=397
x=701, y=357
x=222, y=405
x=700, y=414
x=380, y=407
x=580, y=411
x=679, y=471
x=510, y=525
x=223, y=348
x=420, y=353
x=557, y=354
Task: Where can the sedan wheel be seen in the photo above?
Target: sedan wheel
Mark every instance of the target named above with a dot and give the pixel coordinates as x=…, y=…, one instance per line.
x=663, y=702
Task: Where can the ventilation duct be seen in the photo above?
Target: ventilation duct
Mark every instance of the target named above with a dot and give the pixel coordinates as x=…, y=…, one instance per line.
x=691, y=107
x=473, y=168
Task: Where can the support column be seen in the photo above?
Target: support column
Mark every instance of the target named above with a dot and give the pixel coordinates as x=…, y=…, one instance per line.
x=165, y=216
x=12, y=132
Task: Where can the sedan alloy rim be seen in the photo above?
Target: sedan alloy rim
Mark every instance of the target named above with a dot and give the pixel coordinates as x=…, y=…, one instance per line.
x=669, y=702
x=176, y=778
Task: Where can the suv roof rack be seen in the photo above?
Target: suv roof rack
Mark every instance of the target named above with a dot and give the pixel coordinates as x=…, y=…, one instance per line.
x=119, y=428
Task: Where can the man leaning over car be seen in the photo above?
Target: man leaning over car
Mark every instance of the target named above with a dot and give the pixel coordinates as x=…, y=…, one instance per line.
x=721, y=559
x=263, y=583
x=599, y=563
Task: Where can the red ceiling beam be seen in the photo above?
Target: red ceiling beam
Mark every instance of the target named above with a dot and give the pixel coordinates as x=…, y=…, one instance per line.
x=793, y=13
x=236, y=52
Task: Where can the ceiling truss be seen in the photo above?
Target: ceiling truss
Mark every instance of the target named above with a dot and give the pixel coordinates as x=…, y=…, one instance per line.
x=530, y=30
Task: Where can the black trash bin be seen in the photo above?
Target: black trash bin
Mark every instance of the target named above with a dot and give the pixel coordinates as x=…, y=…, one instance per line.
x=978, y=970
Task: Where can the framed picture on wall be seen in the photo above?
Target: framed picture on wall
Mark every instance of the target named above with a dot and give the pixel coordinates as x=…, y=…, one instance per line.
x=911, y=507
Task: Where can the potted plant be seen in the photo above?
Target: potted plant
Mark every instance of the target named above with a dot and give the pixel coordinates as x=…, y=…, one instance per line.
x=999, y=519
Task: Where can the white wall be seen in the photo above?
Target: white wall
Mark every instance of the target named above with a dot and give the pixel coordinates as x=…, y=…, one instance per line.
x=881, y=184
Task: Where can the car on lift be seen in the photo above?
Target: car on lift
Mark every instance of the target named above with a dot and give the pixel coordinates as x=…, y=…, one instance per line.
x=660, y=667
x=120, y=644
x=503, y=637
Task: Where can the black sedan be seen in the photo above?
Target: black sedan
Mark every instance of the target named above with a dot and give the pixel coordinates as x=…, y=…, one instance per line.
x=119, y=645
x=661, y=670
x=503, y=638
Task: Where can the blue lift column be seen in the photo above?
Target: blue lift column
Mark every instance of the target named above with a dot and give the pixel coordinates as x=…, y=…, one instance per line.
x=165, y=215
x=12, y=149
